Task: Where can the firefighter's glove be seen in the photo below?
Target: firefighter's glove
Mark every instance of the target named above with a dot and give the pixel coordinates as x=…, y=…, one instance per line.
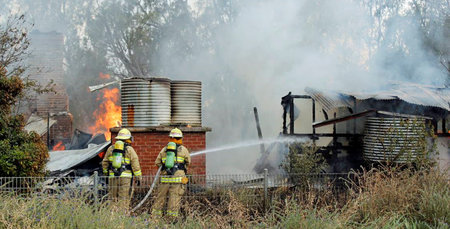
x=138, y=181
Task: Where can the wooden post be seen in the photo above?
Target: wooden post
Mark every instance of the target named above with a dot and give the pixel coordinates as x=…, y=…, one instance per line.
x=266, y=186
x=48, y=131
x=258, y=128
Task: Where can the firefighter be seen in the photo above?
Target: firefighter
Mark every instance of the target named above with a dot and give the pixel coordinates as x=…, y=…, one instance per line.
x=120, y=164
x=174, y=159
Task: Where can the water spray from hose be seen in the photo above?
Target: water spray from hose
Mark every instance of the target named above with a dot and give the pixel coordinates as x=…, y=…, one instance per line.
x=248, y=144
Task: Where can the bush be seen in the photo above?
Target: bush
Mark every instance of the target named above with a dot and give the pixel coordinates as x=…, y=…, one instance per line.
x=301, y=161
x=21, y=153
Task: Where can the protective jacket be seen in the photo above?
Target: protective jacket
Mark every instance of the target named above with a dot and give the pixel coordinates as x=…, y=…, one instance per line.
x=172, y=185
x=130, y=164
x=182, y=162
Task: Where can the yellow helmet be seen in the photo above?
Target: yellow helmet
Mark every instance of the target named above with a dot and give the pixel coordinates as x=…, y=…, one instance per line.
x=176, y=133
x=124, y=134
x=171, y=146
x=119, y=145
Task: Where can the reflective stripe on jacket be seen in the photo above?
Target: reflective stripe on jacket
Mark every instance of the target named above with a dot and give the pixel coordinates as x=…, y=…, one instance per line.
x=179, y=160
x=130, y=159
x=172, y=180
x=183, y=156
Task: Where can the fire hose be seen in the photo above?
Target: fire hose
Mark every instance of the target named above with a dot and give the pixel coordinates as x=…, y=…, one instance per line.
x=149, y=191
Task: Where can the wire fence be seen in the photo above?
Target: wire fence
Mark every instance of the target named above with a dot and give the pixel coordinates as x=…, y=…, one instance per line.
x=258, y=190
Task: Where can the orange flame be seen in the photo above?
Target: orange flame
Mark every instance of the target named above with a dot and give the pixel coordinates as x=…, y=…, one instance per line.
x=108, y=114
x=101, y=154
x=103, y=75
x=58, y=146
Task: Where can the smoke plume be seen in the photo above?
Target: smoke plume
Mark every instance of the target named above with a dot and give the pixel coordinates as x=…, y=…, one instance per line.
x=270, y=48
x=251, y=53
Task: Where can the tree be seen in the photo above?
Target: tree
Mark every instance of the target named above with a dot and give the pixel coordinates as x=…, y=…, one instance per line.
x=302, y=161
x=411, y=30
x=121, y=38
x=21, y=153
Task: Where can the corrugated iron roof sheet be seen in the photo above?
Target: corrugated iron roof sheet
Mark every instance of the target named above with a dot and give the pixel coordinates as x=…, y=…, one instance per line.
x=412, y=93
x=38, y=124
x=423, y=95
x=66, y=159
x=329, y=99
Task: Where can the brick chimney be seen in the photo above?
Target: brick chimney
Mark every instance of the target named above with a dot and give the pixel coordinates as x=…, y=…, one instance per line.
x=47, y=56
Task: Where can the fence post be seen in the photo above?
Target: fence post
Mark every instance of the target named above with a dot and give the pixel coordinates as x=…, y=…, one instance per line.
x=266, y=184
x=96, y=187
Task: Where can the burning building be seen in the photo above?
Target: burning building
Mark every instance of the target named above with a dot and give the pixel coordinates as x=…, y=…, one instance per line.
x=353, y=128
x=151, y=107
x=49, y=112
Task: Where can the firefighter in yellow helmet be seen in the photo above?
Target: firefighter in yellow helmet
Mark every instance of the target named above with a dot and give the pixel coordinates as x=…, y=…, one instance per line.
x=174, y=159
x=120, y=164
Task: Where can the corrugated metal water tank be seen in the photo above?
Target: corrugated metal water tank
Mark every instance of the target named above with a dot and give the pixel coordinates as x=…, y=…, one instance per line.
x=393, y=139
x=187, y=102
x=145, y=102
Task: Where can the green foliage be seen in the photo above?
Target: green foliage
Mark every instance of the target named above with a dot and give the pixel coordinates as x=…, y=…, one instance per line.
x=21, y=153
x=301, y=161
x=11, y=88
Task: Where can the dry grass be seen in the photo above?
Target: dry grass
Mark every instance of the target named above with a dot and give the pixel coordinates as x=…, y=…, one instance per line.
x=422, y=196
x=377, y=198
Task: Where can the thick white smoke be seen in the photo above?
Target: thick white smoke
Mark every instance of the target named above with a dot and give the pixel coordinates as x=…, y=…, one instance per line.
x=273, y=47
x=267, y=48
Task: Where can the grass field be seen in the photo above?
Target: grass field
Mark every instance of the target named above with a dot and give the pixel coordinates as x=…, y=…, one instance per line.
x=379, y=198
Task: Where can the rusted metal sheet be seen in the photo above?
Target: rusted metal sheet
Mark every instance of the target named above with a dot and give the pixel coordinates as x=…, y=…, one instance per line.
x=145, y=102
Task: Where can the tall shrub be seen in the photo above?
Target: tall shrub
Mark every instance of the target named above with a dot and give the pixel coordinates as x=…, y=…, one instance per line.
x=21, y=153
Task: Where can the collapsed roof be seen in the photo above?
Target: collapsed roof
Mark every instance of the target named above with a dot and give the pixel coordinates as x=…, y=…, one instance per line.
x=66, y=159
x=38, y=124
x=416, y=94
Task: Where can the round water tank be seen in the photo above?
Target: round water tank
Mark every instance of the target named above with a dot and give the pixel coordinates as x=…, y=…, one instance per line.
x=187, y=102
x=145, y=102
x=393, y=139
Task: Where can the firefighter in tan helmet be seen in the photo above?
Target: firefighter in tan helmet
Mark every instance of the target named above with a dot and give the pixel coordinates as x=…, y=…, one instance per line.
x=120, y=164
x=174, y=159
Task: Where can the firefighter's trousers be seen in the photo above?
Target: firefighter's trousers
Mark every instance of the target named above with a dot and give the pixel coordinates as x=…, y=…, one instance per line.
x=119, y=191
x=174, y=192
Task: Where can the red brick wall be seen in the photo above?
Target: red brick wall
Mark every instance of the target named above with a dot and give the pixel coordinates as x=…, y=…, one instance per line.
x=51, y=102
x=61, y=130
x=149, y=144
